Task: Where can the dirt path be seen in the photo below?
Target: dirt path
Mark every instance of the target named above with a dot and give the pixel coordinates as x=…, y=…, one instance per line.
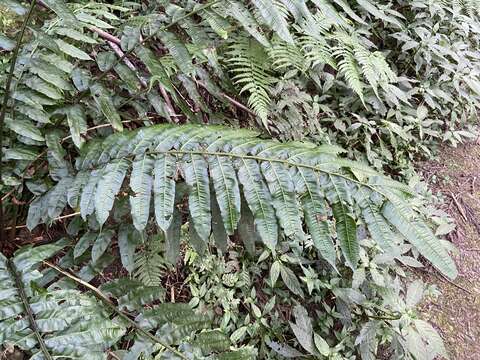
x=456, y=312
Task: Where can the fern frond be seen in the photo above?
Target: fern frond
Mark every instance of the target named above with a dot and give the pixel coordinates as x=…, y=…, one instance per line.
x=246, y=58
x=266, y=170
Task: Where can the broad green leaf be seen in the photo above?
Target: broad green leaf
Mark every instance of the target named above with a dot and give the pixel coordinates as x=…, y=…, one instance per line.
x=196, y=177
x=284, y=200
x=83, y=244
x=105, y=103
x=164, y=190
x=141, y=185
x=71, y=50
x=227, y=192
x=419, y=235
x=108, y=187
x=62, y=10
x=6, y=43
x=24, y=128
x=127, y=244
x=259, y=201
x=101, y=244
x=77, y=123
x=315, y=212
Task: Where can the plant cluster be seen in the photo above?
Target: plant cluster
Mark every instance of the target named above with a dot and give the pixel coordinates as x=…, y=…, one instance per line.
x=129, y=121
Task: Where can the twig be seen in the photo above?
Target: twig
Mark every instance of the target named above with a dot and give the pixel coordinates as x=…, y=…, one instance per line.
x=460, y=208
x=114, y=41
x=6, y=97
x=56, y=219
x=232, y=100
x=26, y=305
x=109, y=303
x=443, y=277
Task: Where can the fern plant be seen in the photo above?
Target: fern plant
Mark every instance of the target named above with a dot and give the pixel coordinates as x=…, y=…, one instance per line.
x=281, y=183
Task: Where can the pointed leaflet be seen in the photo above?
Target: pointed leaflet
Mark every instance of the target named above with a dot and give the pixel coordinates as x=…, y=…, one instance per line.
x=377, y=226
x=227, y=191
x=172, y=238
x=105, y=103
x=344, y=222
x=164, y=189
x=246, y=229
x=196, y=176
x=218, y=230
x=313, y=204
x=101, y=244
x=57, y=197
x=24, y=128
x=126, y=245
x=87, y=197
x=77, y=123
x=259, y=201
x=141, y=185
x=283, y=198
x=108, y=187
x=83, y=244
x=419, y=235
x=71, y=50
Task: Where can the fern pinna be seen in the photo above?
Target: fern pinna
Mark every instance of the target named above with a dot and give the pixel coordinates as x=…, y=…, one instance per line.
x=291, y=189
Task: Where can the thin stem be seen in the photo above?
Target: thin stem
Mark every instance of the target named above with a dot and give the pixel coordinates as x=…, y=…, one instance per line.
x=6, y=97
x=148, y=38
x=26, y=305
x=109, y=303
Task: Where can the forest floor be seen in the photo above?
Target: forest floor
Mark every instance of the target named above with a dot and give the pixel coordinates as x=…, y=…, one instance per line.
x=456, y=313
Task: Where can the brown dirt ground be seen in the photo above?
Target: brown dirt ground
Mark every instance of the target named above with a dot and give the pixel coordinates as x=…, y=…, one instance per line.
x=456, y=313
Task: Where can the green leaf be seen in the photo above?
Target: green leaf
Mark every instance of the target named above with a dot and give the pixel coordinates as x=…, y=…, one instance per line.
x=37, y=84
x=127, y=244
x=419, y=235
x=105, y=103
x=24, y=128
x=164, y=190
x=291, y=280
x=227, y=191
x=275, y=17
x=6, y=43
x=246, y=229
x=77, y=123
x=178, y=51
x=196, y=177
x=141, y=185
x=302, y=328
x=108, y=187
x=83, y=244
x=71, y=50
x=315, y=212
x=283, y=198
x=218, y=230
x=101, y=244
x=259, y=201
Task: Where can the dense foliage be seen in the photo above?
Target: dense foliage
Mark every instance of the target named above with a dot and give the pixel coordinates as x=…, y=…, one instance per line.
x=284, y=248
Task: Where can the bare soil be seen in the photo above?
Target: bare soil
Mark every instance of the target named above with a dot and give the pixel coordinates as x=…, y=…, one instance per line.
x=456, y=313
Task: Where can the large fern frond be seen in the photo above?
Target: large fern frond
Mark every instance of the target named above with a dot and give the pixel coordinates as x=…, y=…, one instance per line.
x=276, y=180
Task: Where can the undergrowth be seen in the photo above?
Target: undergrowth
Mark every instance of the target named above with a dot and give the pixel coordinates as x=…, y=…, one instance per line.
x=256, y=149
